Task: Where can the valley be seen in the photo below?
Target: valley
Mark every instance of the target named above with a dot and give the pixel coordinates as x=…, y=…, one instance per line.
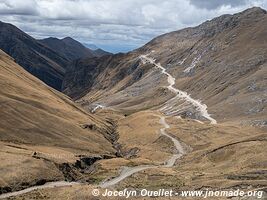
x=186, y=111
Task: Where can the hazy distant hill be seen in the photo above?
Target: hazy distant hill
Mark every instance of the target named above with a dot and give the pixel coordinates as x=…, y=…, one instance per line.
x=91, y=46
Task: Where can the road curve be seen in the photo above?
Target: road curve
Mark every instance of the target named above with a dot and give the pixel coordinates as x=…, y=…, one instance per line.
x=128, y=171
x=202, y=108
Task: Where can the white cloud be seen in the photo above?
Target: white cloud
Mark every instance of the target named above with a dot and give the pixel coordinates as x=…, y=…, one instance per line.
x=25, y=7
x=129, y=22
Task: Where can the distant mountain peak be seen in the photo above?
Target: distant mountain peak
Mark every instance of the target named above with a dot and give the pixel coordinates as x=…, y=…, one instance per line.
x=68, y=48
x=71, y=41
x=68, y=38
x=52, y=38
x=72, y=49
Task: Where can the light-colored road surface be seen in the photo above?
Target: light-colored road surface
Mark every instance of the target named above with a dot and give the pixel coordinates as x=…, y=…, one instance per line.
x=128, y=171
x=177, y=144
x=202, y=108
x=97, y=106
x=47, y=185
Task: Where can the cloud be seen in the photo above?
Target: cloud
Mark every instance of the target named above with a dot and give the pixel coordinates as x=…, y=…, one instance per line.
x=129, y=23
x=17, y=7
x=213, y=4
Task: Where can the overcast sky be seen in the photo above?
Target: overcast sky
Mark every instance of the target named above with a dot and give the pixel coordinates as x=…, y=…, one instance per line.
x=114, y=25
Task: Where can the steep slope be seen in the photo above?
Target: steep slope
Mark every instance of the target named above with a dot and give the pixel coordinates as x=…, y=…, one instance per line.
x=43, y=133
x=82, y=73
x=156, y=147
x=220, y=63
x=36, y=58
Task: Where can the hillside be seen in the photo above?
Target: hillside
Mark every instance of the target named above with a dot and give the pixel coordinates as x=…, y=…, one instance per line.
x=40, y=129
x=39, y=60
x=210, y=62
x=185, y=112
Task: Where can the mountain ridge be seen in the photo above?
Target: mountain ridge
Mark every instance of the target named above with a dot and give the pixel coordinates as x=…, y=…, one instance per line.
x=199, y=56
x=46, y=59
x=71, y=49
x=187, y=111
x=36, y=58
x=67, y=47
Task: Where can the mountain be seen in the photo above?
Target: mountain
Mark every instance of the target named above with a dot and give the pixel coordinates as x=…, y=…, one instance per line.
x=185, y=112
x=100, y=52
x=45, y=137
x=211, y=64
x=43, y=133
x=46, y=59
x=72, y=49
x=36, y=58
x=68, y=48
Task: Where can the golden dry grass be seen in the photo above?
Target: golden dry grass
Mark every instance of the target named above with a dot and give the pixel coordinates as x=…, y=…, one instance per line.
x=36, y=118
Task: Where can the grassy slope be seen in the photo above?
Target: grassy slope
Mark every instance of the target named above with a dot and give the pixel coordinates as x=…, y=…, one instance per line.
x=36, y=118
x=218, y=157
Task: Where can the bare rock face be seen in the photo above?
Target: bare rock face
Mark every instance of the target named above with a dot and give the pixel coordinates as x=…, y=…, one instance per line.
x=221, y=62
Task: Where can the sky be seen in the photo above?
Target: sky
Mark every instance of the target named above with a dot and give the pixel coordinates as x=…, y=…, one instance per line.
x=114, y=25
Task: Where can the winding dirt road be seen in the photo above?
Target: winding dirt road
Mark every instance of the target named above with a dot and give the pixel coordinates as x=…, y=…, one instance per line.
x=128, y=171
x=202, y=108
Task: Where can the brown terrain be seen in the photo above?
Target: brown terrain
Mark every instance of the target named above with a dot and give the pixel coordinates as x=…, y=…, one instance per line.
x=130, y=113
x=42, y=131
x=225, y=60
